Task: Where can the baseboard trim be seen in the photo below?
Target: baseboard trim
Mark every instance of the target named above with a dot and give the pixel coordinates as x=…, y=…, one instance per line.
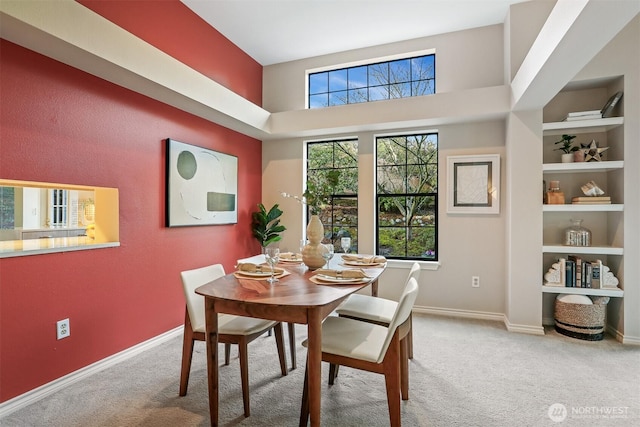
x=56, y=385
x=469, y=314
x=523, y=329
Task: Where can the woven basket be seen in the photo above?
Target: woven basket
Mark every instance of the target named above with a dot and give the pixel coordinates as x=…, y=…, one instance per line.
x=582, y=321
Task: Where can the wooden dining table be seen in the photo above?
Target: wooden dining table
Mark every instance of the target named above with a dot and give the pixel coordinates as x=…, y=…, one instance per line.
x=295, y=298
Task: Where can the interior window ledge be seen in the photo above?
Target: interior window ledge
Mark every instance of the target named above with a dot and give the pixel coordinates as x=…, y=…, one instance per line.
x=15, y=248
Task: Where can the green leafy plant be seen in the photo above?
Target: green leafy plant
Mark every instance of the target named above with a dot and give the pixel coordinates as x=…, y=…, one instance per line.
x=567, y=144
x=266, y=225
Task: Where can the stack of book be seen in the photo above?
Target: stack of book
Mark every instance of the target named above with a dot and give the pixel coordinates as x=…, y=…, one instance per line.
x=583, y=115
x=579, y=273
x=591, y=200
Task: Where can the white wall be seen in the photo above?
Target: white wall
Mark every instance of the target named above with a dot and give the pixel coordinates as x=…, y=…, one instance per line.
x=504, y=249
x=464, y=60
x=469, y=245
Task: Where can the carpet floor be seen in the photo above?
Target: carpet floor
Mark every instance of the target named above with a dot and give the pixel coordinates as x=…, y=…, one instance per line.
x=464, y=373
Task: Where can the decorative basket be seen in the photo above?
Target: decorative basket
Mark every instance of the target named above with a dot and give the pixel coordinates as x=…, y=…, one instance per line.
x=582, y=321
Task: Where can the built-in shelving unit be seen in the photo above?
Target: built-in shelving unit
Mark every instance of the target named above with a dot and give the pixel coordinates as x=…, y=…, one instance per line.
x=604, y=220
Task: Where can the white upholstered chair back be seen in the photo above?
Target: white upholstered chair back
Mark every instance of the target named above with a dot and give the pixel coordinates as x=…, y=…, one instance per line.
x=405, y=304
x=192, y=279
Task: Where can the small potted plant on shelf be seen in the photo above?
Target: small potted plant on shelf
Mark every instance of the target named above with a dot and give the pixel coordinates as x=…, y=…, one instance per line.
x=266, y=225
x=567, y=148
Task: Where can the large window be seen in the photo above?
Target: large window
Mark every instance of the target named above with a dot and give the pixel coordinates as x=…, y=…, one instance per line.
x=340, y=216
x=374, y=82
x=407, y=196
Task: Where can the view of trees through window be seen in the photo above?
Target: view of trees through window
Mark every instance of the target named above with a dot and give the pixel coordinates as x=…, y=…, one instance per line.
x=340, y=216
x=407, y=196
x=374, y=82
x=7, y=202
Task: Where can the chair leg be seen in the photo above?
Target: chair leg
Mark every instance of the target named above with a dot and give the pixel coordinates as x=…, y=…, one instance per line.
x=410, y=337
x=280, y=345
x=244, y=374
x=404, y=368
x=292, y=344
x=187, y=355
x=392, y=380
x=304, y=409
x=333, y=373
x=227, y=353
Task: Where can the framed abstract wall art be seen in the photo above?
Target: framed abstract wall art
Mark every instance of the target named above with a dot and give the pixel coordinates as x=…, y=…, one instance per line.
x=473, y=184
x=201, y=186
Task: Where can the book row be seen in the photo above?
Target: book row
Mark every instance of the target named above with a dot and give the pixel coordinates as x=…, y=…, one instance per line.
x=576, y=272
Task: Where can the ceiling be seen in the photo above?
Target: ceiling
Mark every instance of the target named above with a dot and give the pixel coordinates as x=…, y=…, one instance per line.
x=275, y=31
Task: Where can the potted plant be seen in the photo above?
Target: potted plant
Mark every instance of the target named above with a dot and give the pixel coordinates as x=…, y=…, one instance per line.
x=567, y=148
x=266, y=225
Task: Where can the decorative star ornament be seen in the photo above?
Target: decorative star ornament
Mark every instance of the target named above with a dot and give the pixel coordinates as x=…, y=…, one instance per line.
x=592, y=153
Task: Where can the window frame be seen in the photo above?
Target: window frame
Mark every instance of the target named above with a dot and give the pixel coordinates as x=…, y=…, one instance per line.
x=373, y=62
x=329, y=228
x=435, y=196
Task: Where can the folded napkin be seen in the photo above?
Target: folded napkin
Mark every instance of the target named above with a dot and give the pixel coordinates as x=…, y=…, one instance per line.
x=367, y=259
x=343, y=274
x=290, y=256
x=253, y=268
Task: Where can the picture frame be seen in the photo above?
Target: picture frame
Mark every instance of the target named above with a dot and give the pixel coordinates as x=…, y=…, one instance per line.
x=610, y=104
x=473, y=184
x=201, y=186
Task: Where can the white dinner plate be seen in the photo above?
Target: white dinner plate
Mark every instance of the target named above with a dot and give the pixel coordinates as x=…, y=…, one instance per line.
x=332, y=279
x=362, y=263
x=265, y=273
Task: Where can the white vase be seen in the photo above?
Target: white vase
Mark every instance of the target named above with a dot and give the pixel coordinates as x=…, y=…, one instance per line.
x=567, y=158
x=311, y=255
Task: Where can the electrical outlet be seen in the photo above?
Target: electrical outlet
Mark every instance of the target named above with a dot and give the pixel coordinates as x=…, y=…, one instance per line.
x=475, y=281
x=63, y=329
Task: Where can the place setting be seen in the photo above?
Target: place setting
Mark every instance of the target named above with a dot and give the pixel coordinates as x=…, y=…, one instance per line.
x=325, y=276
x=268, y=271
x=291, y=258
x=357, y=260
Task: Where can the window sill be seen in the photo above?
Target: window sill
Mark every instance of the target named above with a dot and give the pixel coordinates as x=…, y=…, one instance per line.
x=402, y=263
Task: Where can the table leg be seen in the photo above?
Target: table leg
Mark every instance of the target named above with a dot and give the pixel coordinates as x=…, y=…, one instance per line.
x=212, y=357
x=374, y=288
x=314, y=363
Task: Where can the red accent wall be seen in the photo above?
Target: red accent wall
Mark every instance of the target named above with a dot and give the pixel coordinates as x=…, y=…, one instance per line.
x=59, y=124
x=173, y=28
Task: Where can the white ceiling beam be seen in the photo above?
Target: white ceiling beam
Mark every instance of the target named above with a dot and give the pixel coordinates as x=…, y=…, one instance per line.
x=73, y=34
x=575, y=31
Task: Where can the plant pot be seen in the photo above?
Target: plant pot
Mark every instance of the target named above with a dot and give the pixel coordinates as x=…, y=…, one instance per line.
x=567, y=158
x=311, y=255
x=578, y=156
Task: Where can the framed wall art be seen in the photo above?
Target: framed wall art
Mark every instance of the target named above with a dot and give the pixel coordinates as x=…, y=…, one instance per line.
x=473, y=184
x=201, y=184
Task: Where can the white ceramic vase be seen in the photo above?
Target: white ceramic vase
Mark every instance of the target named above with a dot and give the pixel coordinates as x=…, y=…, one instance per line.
x=311, y=255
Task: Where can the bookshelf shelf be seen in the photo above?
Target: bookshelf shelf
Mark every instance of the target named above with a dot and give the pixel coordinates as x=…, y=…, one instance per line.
x=582, y=250
x=582, y=126
x=583, y=291
x=577, y=167
x=583, y=208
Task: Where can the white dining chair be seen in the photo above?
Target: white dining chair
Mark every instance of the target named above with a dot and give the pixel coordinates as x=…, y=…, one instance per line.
x=377, y=310
x=291, y=327
x=369, y=347
x=231, y=329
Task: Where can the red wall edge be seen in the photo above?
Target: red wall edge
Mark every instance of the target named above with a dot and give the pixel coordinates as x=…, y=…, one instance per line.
x=59, y=124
